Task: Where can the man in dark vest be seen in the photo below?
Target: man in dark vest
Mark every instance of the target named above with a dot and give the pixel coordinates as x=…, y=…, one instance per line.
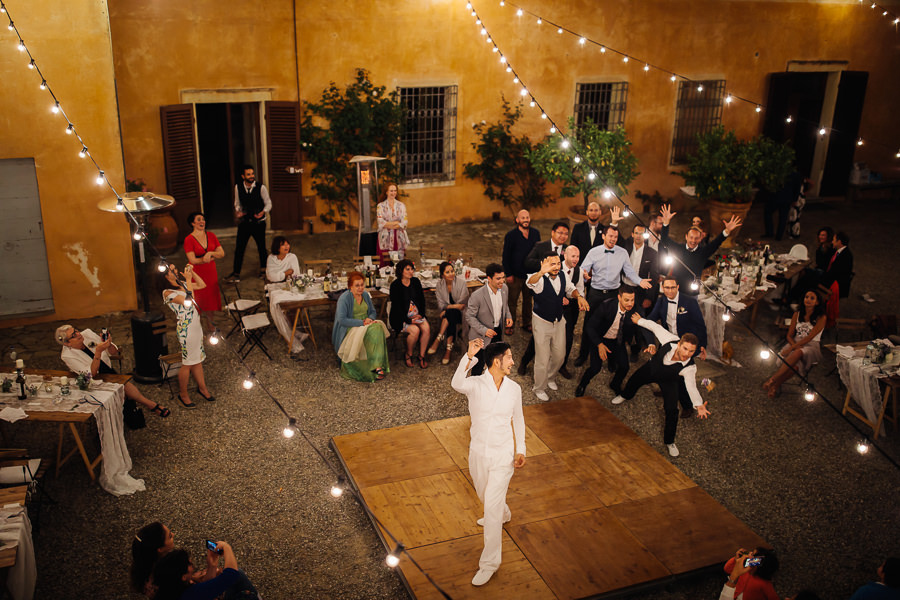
x=251, y=205
x=673, y=368
x=550, y=288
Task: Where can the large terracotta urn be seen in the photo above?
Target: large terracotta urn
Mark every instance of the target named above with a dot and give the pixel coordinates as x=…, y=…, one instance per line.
x=164, y=231
x=722, y=211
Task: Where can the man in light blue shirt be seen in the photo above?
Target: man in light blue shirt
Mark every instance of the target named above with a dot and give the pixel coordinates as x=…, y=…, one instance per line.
x=603, y=267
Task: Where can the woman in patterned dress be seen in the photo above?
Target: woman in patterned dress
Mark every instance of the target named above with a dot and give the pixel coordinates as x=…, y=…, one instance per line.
x=391, y=214
x=188, y=329
x=802, y=350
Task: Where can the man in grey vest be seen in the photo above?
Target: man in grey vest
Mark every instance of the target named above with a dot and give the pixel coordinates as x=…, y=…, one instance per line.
x=251, y=205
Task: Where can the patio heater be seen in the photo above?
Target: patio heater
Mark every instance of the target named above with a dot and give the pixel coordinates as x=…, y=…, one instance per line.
x=148, y=329
x=366, y=195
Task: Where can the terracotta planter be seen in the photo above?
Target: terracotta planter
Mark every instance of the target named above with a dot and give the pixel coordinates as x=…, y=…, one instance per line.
x=719, y=212
x=164, y=231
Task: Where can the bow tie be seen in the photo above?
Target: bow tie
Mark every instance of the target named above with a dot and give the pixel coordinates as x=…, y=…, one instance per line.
x=609, y=252
x=672, y=302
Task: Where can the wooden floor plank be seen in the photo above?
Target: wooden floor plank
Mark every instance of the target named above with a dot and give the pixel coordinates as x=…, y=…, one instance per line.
x=575, y=423
x=624, y=470
x=686, y=529
x=427, y=509
x=453, y=564
x=453, y=434
x=375, y=457
x=586, y=553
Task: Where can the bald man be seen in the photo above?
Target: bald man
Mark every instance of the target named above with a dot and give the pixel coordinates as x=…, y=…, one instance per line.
x=588, y=234
x=516, y=246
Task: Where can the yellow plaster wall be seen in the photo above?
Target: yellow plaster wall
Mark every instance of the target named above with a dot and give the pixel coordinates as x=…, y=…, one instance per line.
x=164, y=46
x=89, y=252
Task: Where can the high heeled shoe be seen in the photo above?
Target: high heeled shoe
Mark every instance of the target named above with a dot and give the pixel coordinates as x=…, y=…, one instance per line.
x=446, y=359
x=434, y=345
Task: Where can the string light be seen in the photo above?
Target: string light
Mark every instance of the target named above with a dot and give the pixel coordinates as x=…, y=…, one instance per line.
x=337, y=490
x=646, y=67
x=862, y=446
x=564, y=144
x=21, y=46
x=672, y=78
x=291, y=429
x=83, y=152
x=859, y=142
x=55, y=108
x=214, y=337
x=31, y=64
x=607, y=193
x=726, y=316
x=519, y=13
x=100, y=178
x=624, y=59
x=592, y=176
x=765, y=354
x=646, y=235
x=602, y=49
x=758, y=108
x=248, y=381
x=668, y=260
x=728, y=99
x=43, y=85
x=809, y=395
x=70, y=129
x=540, y=21
x=553, y=130
x=789, y=119
x=822, y=131
x=138, y=235
x=582, y=41
x=626, y=213
x=694, y=285
x=577, y=159
x=392, y=559
x=700, y=87
x=120, y=205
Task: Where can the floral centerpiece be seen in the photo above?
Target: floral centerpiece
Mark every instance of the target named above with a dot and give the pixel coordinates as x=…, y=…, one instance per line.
x=300, y=282
x=84, y=380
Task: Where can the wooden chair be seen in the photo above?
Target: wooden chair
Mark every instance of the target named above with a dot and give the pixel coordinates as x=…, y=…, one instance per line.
x=314, y=264
x=850, y=325
x=18, y=469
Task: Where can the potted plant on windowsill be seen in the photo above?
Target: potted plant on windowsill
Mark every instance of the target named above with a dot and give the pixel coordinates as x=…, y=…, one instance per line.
x=722, y=172
x=604, y=161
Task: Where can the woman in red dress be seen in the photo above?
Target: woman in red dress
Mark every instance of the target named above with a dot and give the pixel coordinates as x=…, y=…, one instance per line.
x=202, y=248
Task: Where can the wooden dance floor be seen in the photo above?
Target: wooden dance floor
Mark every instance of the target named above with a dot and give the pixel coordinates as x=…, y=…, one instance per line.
x=596, y=511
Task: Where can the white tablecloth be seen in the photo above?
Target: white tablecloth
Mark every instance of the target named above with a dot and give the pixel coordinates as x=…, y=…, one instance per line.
x=116, y=463
x=862, y=383
x=15, y=528
x=277, y=295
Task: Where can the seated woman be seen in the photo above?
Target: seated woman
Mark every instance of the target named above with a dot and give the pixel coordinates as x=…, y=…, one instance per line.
x=173, y=577
x=359, y=339
x=802, y=350
x=150, y=543
x=282, y=263
x=408, y=311
x=452, y=294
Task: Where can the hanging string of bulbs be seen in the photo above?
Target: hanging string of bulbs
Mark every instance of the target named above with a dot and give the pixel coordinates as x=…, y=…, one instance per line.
x=864, y=443
x=341, y=485
x=728, y=97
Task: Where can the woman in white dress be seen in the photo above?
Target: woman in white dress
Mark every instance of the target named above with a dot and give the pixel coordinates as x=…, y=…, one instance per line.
x=802, y=349
x=188, y=330
x=282, y=263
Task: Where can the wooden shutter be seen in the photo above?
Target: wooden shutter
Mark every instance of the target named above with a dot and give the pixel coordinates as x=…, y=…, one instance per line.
x=180, y=154
x=283, y=140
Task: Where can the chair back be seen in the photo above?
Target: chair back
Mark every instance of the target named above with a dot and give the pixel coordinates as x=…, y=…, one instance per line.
x=800, y=252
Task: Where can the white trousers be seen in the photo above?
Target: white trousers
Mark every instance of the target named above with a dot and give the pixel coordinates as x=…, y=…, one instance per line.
x=491, y=475
x=549, y=350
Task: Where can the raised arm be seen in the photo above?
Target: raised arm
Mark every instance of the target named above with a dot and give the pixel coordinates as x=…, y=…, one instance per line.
x=662, y=334
x=460, y=382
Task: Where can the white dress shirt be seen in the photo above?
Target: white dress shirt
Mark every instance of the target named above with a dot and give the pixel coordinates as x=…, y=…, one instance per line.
x=77, y=360
x=538, y=287
x=636, y=255
x=672, y=314
x=613, y=330
x=496, y=304
x=491, y=410
x=570, y=275
x=688, y=373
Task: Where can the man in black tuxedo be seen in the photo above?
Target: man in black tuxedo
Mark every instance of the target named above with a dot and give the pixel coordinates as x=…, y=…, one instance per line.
x=840, y=265
x=588, y=234
x=606, y=332
x=559, y=235
x=679, y=313
x=645, y=261
x=690, y=257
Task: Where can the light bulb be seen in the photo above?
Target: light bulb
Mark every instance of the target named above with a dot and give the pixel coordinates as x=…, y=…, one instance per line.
x=502, y=59
x=884, y=14
x=55, y=108
x=43, y=85
x=337, y=491
x=502, y=2
x=626, y=212
x=162, y=267
x=789, y=119
x=99, y=179
x=624, y=59
x=31, y=64
x=248, y=383
x=694, y=285
x=859, y=142
x=553, y=130
x=728, y=99
x=668, y=259
x=646, y=67
x=21, y=46
x=524, y=92
x=822, y=131
x=700, y=88
x=531, y=104
x=577, y=159
x=592, y=176
x=188, y=303
x=765, y=354
x=896, y=21
x=602, y=49
x=543, y=115
x=509, y=69
x=70, y=129
x=559, y=31
x=288, y=432
x=468, y=6
x=516, y=79
x=120, y=206
x=564, y=144
x=2, y=9
x=809, y=396
x=213, y=338
x=582, y=41
x=483, y=31
x=672, y=78
x=646, y=235
x=607, y=193
x=83, y=152
x=519, y=13
x=539, y=21
x=137, y=235
x=758, y=108
x=495, y=49
x=391, y=560
x=489, y=40
x=862, y=447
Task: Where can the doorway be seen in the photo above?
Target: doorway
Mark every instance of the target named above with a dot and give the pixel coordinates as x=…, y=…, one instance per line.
x=228, y=137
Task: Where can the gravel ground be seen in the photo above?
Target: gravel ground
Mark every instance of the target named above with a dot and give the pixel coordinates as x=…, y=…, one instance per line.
x=786, y=467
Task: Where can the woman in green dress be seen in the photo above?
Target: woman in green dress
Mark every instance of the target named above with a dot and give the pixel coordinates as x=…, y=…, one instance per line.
x=360, y=340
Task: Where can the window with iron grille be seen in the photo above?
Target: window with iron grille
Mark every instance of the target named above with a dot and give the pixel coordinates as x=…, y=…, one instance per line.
x=699, y=109
x=602, y=103
x=428, y=144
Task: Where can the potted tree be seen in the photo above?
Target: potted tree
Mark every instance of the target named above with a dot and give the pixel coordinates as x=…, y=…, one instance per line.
x=504, y=170
x=587, y=161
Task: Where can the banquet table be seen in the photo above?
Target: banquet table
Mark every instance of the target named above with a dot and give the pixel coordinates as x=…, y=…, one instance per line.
x=103, y=402
x=863, y=382
x=17, y=549
x=748, y=296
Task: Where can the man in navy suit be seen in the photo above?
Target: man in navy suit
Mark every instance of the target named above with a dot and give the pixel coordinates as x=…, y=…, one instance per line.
x=606, y=332
x=679, y=313
x=645, y=261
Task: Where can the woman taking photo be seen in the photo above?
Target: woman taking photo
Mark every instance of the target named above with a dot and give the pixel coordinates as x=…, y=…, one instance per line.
x=408, y=311
x=188, y=329
x=202, y=248
x=151, y=542
x=391, y=214
x=282, y=263
x=174, y=577
x=802, y=350
x=360, y=340
x=451, y=293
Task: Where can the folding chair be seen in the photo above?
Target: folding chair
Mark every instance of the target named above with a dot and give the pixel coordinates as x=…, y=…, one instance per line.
x=17, y=468
x=254, y=326
x=239, y=308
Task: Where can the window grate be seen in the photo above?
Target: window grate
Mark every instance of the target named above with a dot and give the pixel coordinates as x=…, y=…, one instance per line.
x=696, y=112
x=602, y=103
x=428, y=144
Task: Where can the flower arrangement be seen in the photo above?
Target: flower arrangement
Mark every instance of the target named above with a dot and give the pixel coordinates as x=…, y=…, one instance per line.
x=84, y=380
x=301, y=282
